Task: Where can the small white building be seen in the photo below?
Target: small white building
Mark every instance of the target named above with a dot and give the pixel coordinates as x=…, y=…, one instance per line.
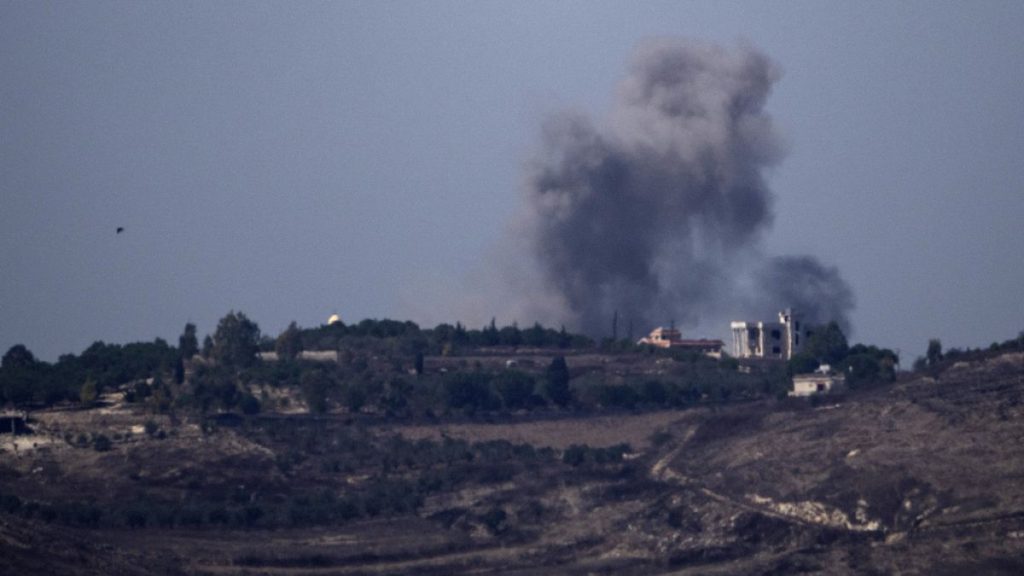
x=821, y=381
x=771, y=340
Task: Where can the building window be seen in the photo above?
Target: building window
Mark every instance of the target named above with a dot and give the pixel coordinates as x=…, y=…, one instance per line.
x=776, y=350
x=776, y=334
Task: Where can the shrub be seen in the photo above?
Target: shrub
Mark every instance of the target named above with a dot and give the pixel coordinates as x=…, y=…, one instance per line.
x=495, y=519
x=617, y=396
x=250, y=405
x=101, y=443
x=574, y=455
x=469, y=391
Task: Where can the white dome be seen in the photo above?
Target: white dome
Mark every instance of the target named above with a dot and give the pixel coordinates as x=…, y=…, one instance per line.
x=334, y=319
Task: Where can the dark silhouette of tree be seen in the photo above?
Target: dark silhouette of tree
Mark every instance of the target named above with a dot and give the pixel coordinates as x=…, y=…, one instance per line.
x=557, y=382
x=535, y=336
x=934, y=353
x=510, y=336
x=236, y=341
x=18, y=356
x=315, y=386
x=564, y=339
x=179, y=371
x=828, y=345
x=490, y=334
x=289, y=343
x=188, y=344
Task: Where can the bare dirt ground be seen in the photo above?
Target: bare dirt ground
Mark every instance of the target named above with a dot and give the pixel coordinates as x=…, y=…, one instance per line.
x=920, y=477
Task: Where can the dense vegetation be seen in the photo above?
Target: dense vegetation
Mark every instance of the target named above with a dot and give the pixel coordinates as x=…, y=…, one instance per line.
x=862, y=364
x=380, y=368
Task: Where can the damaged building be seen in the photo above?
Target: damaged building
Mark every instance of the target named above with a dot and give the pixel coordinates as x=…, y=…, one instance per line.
x=779, y=340
x=671, y=338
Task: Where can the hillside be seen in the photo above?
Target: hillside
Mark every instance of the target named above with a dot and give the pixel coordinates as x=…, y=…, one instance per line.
x=922, y=476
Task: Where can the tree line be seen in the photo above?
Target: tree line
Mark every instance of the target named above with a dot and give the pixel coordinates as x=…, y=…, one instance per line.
x=381, y=368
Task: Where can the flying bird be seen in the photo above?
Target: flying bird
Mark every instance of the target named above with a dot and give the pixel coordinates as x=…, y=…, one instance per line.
x=120, y=229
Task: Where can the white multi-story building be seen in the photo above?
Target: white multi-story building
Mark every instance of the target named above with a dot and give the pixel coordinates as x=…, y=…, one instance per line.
x=772, y=340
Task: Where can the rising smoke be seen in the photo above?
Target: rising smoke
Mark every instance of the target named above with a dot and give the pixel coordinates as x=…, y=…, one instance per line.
x=659, y=213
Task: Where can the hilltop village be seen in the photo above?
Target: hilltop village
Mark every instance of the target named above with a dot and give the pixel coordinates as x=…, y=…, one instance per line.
x=398, y=369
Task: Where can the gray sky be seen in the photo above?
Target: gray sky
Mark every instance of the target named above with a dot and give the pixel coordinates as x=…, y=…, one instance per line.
x=291, y=160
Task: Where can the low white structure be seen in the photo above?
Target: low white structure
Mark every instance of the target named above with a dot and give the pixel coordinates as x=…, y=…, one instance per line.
x=671, y=338
x=772, y=340
x=309, y=355
x=822, y=381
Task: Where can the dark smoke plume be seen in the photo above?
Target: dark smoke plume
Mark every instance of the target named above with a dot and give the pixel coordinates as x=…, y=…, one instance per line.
x=659, y=213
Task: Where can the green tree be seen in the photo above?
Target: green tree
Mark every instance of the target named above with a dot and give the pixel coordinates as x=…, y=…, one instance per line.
x=21, y=376
x=828, y=345
x=535, y=336
x=88, y=393
x=490, y=334
x=315, y=385
x=179, y=370
x=557, y=382
x=236, y=341
x=515, y=388
x=289, y=343
x=510, y=336
x=802, y=363
x=18, y=356
x=469, y=391
x=188, y=344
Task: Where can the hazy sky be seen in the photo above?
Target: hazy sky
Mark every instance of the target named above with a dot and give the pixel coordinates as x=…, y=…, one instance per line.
x=292, y=160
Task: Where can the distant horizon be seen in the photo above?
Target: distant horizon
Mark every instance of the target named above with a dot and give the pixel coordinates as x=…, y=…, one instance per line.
x=905, y=360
